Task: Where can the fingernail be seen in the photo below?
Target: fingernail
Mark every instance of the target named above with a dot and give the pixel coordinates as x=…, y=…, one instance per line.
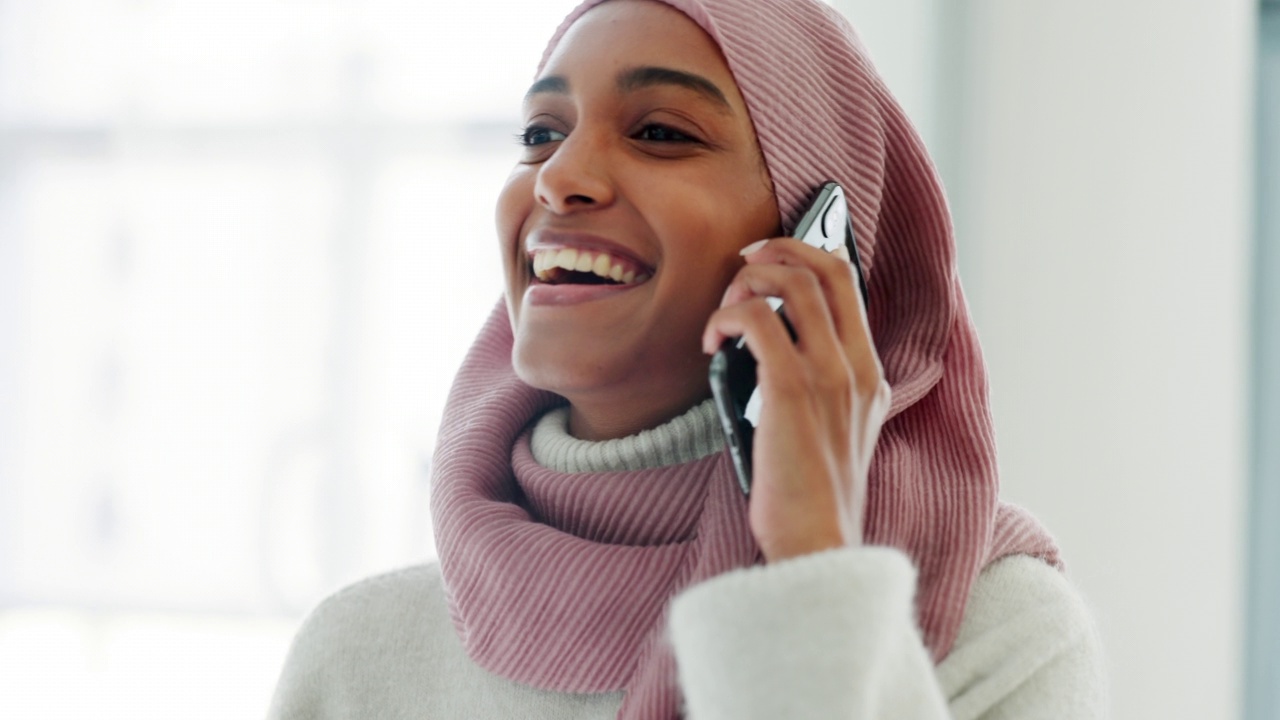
x=753, y=247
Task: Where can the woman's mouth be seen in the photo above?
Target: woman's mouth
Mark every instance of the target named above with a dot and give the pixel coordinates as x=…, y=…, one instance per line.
x=574, y=275
x=573, y=266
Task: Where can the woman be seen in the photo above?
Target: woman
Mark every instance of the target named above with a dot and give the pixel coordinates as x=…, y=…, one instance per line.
x=597, y=557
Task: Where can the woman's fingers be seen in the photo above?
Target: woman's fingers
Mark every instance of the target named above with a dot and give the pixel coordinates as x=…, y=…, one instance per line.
x=835, y=274
x=804, y=303
x=838, y=283
x=755, y=321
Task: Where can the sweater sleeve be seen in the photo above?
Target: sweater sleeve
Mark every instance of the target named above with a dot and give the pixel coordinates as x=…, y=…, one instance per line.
x=833, y=635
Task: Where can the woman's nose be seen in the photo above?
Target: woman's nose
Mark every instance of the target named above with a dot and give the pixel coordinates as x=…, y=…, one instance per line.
x=576, y=177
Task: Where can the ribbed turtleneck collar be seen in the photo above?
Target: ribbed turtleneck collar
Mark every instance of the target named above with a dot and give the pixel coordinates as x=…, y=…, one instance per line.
x=691, y=436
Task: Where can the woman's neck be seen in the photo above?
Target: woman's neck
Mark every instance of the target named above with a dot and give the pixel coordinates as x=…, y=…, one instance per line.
x=608, y=416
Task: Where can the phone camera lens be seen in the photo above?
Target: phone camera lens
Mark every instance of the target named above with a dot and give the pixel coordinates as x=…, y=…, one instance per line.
x=833, y=222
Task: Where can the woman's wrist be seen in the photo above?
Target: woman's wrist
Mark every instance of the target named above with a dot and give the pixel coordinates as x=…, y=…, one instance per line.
x=817, y=537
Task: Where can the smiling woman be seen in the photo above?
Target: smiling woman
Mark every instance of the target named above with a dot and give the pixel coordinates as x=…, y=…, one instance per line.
x=597, y=558
x=639, y=147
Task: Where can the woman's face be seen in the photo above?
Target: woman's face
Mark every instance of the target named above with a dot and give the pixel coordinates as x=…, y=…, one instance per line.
x=642, y=172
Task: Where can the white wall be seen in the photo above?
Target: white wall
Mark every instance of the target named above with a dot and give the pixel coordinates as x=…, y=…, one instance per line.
x=1263, y=638
x=1099, y=159
x=903, y=37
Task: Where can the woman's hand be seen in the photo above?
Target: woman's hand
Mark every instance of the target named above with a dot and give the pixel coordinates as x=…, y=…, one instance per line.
x=824, y=396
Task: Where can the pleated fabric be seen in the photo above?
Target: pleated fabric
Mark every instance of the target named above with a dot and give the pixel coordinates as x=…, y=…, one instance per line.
x=562, y=581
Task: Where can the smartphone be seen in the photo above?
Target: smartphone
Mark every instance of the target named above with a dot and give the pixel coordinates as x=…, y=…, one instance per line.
x=824, y=225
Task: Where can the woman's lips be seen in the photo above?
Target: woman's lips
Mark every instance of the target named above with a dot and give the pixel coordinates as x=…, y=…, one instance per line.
x=570, y=267
x=540, y=293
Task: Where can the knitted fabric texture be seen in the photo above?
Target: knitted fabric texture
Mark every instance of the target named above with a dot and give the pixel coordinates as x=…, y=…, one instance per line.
x=562, y=581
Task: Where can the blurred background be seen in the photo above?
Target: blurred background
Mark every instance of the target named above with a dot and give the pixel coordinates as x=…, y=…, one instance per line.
x=244, y=244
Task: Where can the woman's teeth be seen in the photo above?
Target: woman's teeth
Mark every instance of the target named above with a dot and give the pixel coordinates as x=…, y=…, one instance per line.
x=548, y=264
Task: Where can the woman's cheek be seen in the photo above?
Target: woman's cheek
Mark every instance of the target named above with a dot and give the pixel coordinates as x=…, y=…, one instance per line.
x=515, y=203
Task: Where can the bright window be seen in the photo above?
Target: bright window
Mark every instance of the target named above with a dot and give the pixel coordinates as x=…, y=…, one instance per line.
x=243, y=246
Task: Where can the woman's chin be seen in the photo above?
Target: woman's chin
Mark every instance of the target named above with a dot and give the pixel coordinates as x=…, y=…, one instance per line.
x=566, y=367
x=599, y=377
x=593, y=371
x=575, y=347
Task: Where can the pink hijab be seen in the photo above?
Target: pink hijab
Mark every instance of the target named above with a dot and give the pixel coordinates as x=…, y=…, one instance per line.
x=562, y=581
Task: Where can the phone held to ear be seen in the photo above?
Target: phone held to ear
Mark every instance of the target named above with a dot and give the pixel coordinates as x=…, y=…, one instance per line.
x=824, y=225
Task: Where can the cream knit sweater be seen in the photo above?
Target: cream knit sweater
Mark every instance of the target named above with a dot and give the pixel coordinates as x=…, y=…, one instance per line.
x=830, y=635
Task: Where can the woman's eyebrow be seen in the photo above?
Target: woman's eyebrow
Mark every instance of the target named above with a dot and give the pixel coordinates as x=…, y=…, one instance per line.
x=550, y=84
x=642, y=77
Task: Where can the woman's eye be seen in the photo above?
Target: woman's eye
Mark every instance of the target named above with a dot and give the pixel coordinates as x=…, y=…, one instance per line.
x=662, y=133
x=537, y=135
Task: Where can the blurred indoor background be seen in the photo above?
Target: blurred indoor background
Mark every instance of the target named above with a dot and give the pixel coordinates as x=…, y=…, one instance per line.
x=244, y=244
